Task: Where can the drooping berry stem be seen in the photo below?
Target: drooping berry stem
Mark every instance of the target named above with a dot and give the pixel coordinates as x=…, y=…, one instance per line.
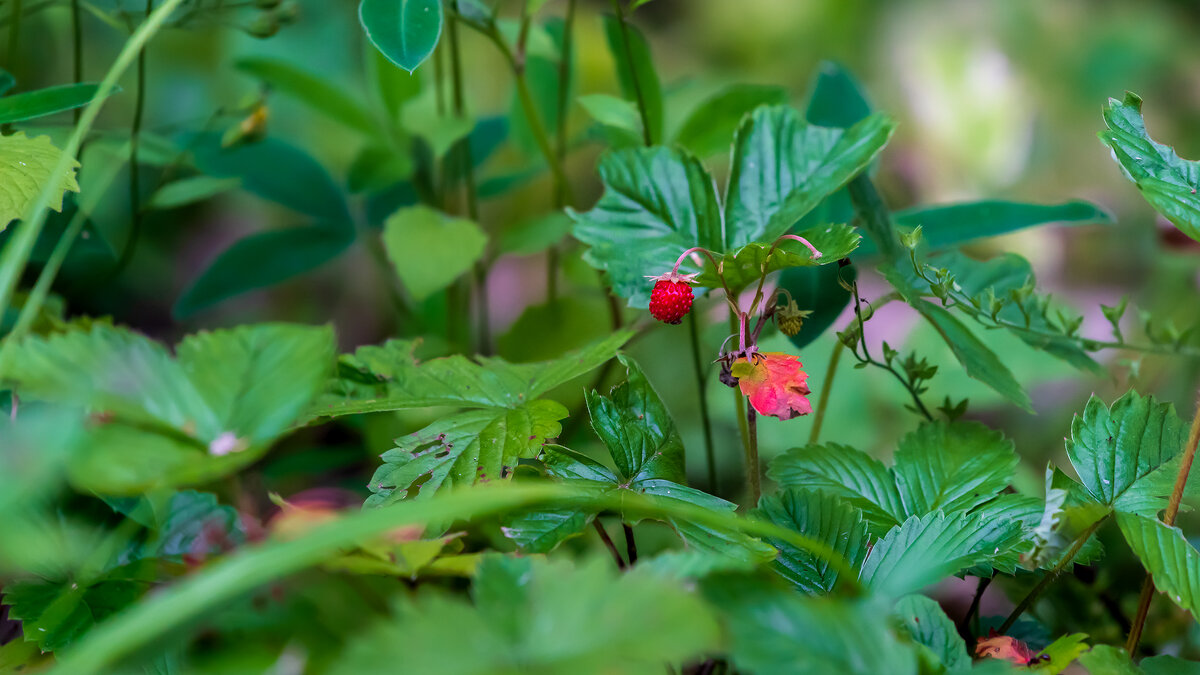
x=695, y=249
x=816, y=254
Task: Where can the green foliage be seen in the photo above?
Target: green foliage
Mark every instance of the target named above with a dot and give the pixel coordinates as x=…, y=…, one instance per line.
x=175, y=420
x=710, y=125
x=823, y=517
x=533, y=616
x=430, y=250
x=666, y=202
x=405, y=32
x=635, y=71
x=1127, y=455
x=25, y=165
x=929, y=627
x=1165, y=180
x=317, y=93
x=33, y=104
x=1169, y=558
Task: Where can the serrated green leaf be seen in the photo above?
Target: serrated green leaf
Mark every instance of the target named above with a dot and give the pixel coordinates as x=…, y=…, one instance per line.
x=657, y=202
x=927, y=624
x=1124, y=454
x=773, y=631
x=923, y=550
x=861, y=480
x=429, y=249
x=538, y=616
x=692, y=564
x=25, y=165
x=1167, y=181
x=405, y=31
x=171, y=421
x=543, y=531
x=1061, y=653
x=710, y=125
x=54, y=614
x=953, y=466
x=744, y=266
x=637, y=429
x=784, y=167
x=1109, y=660
x=822, y=517
x=977, y=359
x=1167, y=556
x=32, y=104
x=635, y=71
x=260, y=261
x=314, y=91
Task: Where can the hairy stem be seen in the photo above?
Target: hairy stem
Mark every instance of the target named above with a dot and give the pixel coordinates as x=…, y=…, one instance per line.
x=608, y=543
x=1185, y=467
x=627, y=45
x=1051, y=575
x=826, y=386
x=702, y=393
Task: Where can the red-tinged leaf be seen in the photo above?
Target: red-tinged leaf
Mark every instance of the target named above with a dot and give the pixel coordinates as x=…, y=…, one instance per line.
x=774, y=383
x=1006, y=648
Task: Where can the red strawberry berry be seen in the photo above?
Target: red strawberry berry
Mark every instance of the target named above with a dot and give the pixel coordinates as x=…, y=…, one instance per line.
x=671, y=298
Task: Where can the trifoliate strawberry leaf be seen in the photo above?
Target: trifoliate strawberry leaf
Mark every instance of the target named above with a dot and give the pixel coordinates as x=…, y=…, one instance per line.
x=504, y=421
x=1127, y=455
x=783, y=167
x=659, y=202
x=923, y=550
x=774, y=631
x=820, y=516
x=166, y=421
x=852, y=475
x=927, y=624
x=26, y=164
x=531, y=615
x=1167, y=181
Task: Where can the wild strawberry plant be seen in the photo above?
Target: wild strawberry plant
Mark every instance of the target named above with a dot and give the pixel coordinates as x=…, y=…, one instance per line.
x=168, y=508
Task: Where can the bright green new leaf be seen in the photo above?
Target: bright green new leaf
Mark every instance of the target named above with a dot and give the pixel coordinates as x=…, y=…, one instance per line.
x=1061, y=653
x=1127, y=455
x=175, y=420
x=823, y=517
x=32, y=104
x=405, y=31
x=923, y=550
x=980, y=362
x=774, y=631
x=25, y=165
x=430, y=249
x=635, y=71
x=1165, y=180
x=783, y=167
x=744, y=266
x=537, y=616
x=711, y=124
x=314, y=91
x=262, y=260
x=191, y=190
x=928, y=625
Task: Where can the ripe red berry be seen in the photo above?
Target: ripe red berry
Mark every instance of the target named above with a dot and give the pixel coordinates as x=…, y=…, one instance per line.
x=670, y=300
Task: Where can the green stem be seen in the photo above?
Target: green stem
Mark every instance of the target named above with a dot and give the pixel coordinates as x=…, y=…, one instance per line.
x=135, y=184
x=77, y=48
x=752, y=470
x=1050, y=576
x=14, y=33
x=1181, y=479
x=740, y=405
x=16, y=252
x=826, y=386
x=702, y=393
x=560, y=141
x=627, y=45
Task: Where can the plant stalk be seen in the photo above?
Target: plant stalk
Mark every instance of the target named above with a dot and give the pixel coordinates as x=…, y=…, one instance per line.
x=826, y=386
x=630, y=544
x=77, y=49
x=14, y=34
x=1051, y=575
x=608, y=543
x=752, y=472
x=702, y=392
x=633, y=78
x=135, y=185
x=560, y=141
x=1185, y=468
